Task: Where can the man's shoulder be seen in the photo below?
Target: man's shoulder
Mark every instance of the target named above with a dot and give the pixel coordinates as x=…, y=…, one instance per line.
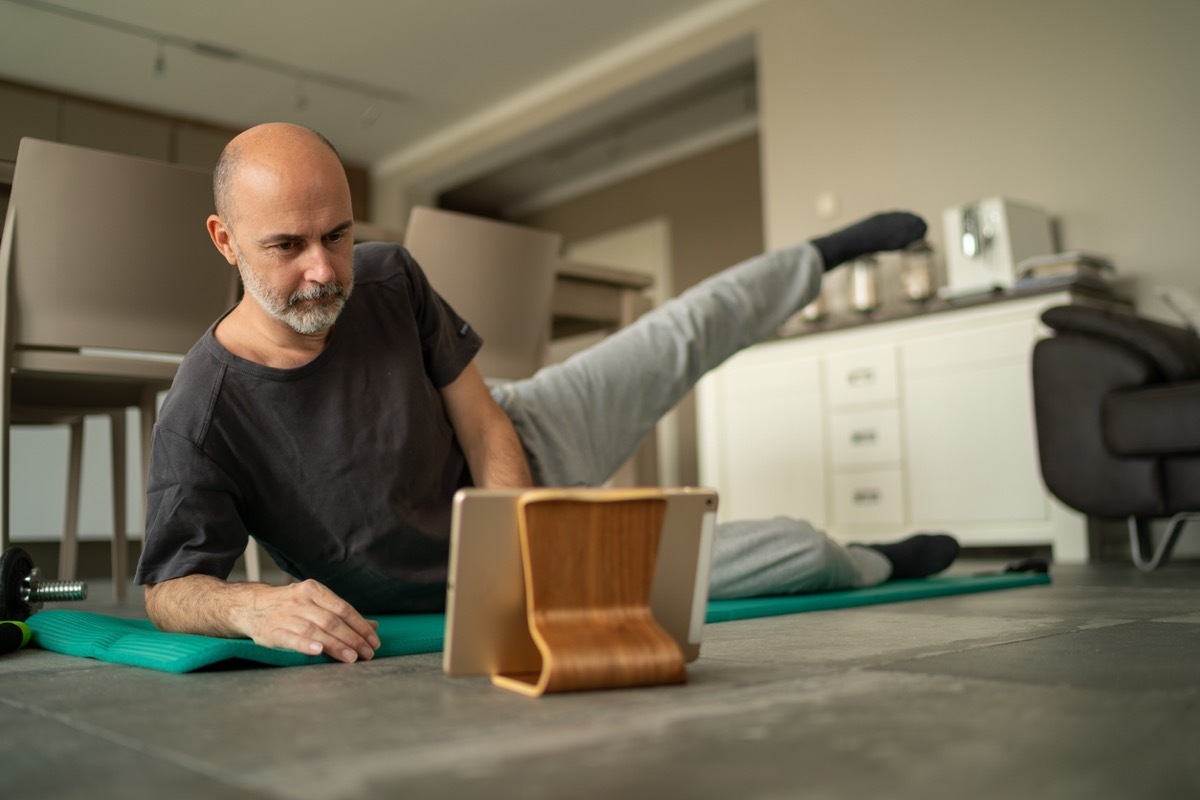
x=204, y=361
x=187, y=408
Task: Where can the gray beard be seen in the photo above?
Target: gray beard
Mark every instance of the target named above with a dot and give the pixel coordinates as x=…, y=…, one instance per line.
x=302, y=319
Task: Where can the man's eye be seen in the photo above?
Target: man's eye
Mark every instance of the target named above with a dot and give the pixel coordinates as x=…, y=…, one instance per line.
x=335, y=237
x=286, y=247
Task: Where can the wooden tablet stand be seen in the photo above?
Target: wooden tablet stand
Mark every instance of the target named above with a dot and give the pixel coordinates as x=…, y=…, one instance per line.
x=588, y=558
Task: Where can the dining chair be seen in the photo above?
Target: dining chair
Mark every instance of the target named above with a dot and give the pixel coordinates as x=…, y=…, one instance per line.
x=109, y=277
x=498, y=276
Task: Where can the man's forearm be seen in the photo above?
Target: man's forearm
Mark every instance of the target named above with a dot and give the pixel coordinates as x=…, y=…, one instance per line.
x=201, y=604
x=485, y=433
x=306, y=617
x=503, y=463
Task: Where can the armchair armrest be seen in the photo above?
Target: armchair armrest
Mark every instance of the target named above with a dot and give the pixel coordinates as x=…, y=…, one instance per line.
x=1173, y=352
x=1153, y=422
x=1073, y=374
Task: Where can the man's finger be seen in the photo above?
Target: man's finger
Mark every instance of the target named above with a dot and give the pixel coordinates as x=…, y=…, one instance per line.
x=352, y=643
x=309, y=618
x=360, y=630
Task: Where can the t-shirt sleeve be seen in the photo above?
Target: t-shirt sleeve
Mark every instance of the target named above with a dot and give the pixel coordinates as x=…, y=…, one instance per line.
x=448, y=342
x=192, y=523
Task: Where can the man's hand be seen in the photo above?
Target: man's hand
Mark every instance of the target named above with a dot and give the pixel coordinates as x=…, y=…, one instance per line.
x=309, y=618
x=306, y=617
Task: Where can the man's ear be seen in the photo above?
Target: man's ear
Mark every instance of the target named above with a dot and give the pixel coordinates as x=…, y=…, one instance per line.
x=222, y=237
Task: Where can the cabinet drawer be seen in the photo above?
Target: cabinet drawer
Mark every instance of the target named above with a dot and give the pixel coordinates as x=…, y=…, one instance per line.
x=869, y=498
x=862, y=376
x=865, y=437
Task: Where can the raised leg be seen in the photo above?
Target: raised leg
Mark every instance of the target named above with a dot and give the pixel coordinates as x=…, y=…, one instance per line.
x=580, y=420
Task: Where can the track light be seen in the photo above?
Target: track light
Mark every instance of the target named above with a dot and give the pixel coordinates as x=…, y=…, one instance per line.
x=375, y=95
x=160, y=61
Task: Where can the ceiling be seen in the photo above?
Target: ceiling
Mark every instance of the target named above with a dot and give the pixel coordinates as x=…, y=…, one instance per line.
x=380, y=78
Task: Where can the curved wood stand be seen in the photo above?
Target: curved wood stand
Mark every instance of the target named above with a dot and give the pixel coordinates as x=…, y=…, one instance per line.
x=588, y=558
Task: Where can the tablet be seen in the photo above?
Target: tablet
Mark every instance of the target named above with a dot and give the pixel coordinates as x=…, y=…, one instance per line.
x=487, y=627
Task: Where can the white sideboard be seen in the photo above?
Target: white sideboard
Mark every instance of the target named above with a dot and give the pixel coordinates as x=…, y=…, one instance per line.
x=878, y=430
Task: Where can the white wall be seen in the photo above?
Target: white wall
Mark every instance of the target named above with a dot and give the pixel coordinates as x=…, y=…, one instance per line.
x=38, y=480
x=1088, y=108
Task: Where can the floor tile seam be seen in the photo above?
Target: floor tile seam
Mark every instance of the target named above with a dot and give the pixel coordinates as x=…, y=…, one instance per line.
x=132, y=744
x=1076, y=629
x=37, y=672
x=1174, y=696
x=814, y=672
x=871, y=660
x=66, y=664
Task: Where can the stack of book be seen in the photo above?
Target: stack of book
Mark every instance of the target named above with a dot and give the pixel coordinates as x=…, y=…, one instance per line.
x=1076, y=267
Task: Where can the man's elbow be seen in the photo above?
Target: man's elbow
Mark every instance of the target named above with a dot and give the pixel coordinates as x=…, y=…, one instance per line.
x=161, y=601
x=152, y=600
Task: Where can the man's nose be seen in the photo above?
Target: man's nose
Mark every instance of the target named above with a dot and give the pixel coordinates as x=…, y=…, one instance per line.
x=318, y=267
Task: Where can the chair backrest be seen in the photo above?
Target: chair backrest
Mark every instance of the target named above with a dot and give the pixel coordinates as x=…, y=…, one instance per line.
x=108, y=251
x=497, y=276
x=107, y=277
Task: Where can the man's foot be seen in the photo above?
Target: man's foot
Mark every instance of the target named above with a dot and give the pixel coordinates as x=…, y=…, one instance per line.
x=920, y=555
x=893, y=230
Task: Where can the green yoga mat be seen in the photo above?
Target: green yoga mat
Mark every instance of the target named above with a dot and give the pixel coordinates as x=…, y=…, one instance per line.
x=890, y=592
x=138, y=643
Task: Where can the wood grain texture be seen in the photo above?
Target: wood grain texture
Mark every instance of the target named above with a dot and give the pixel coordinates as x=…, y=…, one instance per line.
x=589, y=558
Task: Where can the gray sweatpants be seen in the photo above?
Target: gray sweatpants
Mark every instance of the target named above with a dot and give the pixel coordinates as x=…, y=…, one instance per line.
x=580, y=420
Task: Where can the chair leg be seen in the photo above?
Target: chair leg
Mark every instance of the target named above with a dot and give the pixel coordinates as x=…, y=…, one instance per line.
x=68, y=549
x=253, y=562
x=147, y=413
x=120, y=546
x=1140, y=540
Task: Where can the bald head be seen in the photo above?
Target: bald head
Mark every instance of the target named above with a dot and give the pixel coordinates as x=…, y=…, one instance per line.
x=285, y=220
x=275, y=147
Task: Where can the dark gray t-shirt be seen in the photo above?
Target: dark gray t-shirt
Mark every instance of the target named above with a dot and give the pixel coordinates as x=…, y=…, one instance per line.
x=343, y=469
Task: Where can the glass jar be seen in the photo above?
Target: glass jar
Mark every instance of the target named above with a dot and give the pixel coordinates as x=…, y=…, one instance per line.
x=816, y=310
x=916, y=272
x=864, y=284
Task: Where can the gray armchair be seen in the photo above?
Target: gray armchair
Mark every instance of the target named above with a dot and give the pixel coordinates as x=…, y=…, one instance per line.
x=1117, y=405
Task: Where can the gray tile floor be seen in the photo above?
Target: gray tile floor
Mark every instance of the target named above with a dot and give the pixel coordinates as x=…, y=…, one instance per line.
x=1086, y=688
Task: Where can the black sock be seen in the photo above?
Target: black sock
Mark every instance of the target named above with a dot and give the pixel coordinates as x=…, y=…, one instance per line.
x=920, y=555
x=892, y=230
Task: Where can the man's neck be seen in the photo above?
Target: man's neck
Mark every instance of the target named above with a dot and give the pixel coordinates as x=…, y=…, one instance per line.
x=250, y=333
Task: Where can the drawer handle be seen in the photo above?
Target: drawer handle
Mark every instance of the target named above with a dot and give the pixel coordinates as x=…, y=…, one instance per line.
x=866, y=436
x=863, y=497
x=860, y=375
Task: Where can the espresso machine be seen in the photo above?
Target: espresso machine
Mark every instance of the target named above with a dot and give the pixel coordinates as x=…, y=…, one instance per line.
x=987, y=239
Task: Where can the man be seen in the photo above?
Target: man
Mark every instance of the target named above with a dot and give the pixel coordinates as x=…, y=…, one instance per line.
x=333, y=412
